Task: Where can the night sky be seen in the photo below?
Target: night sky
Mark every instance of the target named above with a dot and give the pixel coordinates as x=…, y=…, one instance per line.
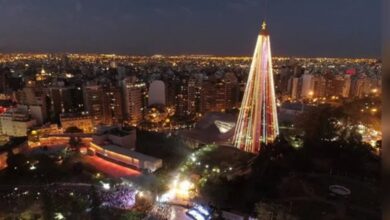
x=333, y=28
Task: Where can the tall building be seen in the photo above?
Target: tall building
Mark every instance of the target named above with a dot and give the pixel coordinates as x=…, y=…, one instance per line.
x=283, y=79
x=104, y=103
x=16, y=122
x=347, y=86
x=65, y=99
x=207, y=97
x=336, y=86
x=134, y=103
x=360, y=86
x=112, y=105
x=220, y=96
x=307, y=85
x=319, y=86
x=34, y=100
x=170, y=91
x=232, y=90
x=194, y=89
x=257, y=122
x=93, y=99
x=181, y=99
x=2, y=82
x=295, y=87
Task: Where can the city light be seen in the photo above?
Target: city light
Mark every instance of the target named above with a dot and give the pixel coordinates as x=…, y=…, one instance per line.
x=257, y=121
x=178, y=189
x=33, y=167
x=59, y=216
x=106, y=186
x=183, y=189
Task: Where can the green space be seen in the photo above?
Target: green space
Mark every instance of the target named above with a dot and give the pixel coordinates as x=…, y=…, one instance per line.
x=286, y=175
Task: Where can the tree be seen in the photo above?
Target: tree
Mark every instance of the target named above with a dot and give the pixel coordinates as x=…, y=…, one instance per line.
x=320, y=123
x=16, y=160
x=271, y=211
x=48, y=169
x=17, y=167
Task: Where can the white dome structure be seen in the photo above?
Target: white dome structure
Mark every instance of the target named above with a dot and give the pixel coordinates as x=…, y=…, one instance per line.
x=157, y=93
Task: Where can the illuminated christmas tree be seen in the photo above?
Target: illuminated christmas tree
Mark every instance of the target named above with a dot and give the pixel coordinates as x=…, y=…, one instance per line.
x=257, y=122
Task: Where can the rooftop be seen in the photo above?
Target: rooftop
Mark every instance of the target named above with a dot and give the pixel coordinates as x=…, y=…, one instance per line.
x=117, y=132
x=130, y=153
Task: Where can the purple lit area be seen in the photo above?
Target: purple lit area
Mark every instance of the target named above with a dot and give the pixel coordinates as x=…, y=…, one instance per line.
x=119, y=197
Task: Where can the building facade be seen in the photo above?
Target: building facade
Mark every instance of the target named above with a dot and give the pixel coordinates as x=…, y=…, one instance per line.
x=134, y=104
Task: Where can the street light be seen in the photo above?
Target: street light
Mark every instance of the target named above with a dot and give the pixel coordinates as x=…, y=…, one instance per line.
x=59, y=216
x=33, y=167
x=106, y=186
x=183, y=189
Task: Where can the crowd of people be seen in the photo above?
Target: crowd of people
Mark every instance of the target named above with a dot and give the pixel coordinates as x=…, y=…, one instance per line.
x=121, y=197
x=21, y=197
x=160, y=212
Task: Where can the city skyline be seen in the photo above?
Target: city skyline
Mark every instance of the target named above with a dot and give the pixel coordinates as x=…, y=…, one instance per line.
x=182, y=110
x=302, y=29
